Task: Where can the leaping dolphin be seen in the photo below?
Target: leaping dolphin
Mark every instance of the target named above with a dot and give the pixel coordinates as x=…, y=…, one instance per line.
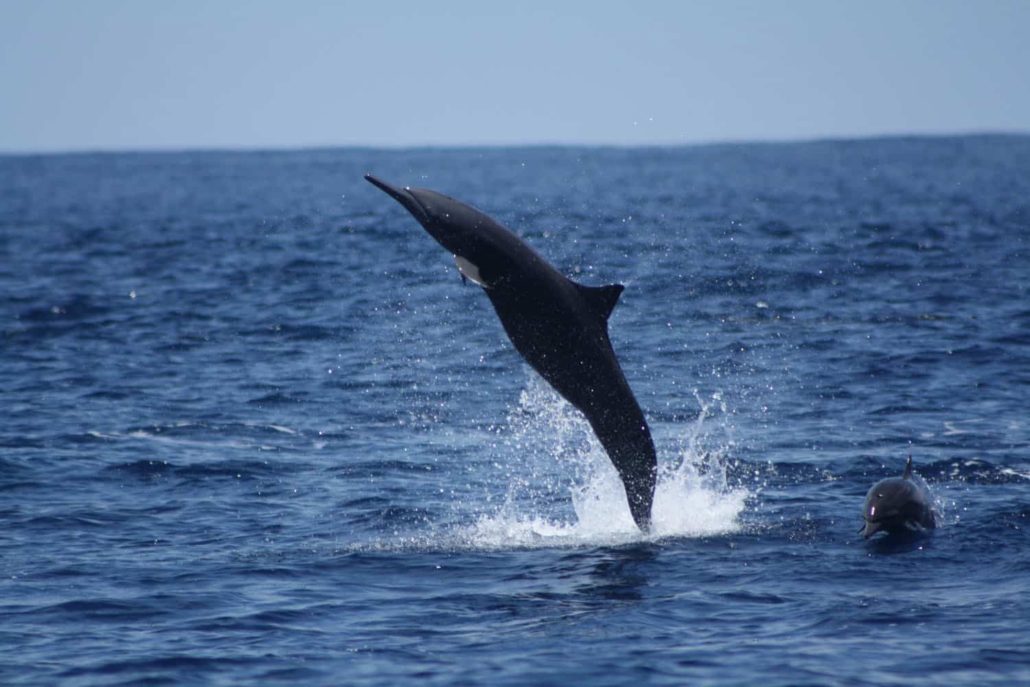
x=898, y=505
x=560, y=328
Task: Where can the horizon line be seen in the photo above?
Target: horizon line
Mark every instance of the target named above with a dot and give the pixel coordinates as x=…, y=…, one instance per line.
x=541, y=144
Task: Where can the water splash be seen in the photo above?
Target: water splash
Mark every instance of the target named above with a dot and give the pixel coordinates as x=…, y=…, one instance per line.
x=553, y=453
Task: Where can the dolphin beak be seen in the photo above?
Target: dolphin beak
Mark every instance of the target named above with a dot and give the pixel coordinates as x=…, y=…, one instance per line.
x=403, y=196
x=870, y=529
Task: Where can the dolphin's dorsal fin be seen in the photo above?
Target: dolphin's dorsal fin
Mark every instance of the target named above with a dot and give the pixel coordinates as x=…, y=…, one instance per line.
x=602, y=299
x=908, y=469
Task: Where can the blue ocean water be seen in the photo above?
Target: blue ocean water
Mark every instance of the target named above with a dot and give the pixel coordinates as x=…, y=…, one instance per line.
x=255, y=429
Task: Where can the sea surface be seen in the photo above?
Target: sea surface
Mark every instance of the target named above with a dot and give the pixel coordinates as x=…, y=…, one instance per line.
x=255, y=430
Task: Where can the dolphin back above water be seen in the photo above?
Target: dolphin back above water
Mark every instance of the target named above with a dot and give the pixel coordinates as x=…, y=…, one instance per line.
x=559, y=326
x=898, y=505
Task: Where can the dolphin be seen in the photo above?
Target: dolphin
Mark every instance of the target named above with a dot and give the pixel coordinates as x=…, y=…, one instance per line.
x=559, y=326
x=898, y=505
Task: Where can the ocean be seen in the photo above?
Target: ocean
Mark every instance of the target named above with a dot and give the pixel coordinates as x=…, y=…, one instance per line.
x=255, y=430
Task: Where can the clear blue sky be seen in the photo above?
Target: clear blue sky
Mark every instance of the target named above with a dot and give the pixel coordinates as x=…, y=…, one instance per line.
x=141, y=74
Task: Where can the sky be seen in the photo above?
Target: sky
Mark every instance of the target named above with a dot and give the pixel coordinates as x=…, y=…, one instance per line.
x=144, y=74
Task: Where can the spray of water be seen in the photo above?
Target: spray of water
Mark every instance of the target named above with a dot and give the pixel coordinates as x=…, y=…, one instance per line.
x=550, y=453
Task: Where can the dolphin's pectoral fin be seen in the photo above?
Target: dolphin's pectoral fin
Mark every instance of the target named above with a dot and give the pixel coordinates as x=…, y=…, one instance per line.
x=602, y=299
x=470, y=272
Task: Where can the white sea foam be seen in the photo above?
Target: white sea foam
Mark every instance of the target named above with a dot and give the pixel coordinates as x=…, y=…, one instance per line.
x=556, y=452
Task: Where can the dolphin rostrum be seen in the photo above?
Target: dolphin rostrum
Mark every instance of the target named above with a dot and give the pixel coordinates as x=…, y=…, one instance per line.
x=898, y=505
x=560, y=328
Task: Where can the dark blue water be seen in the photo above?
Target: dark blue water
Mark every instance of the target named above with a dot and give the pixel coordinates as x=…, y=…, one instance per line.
x=255, y=430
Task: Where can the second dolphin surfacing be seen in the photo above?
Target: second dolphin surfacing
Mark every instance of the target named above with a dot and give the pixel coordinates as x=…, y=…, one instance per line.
x=560, y=328
x=898, y=505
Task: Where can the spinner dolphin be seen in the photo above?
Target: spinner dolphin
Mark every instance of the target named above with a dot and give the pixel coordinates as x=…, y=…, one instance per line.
x=559, y=326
